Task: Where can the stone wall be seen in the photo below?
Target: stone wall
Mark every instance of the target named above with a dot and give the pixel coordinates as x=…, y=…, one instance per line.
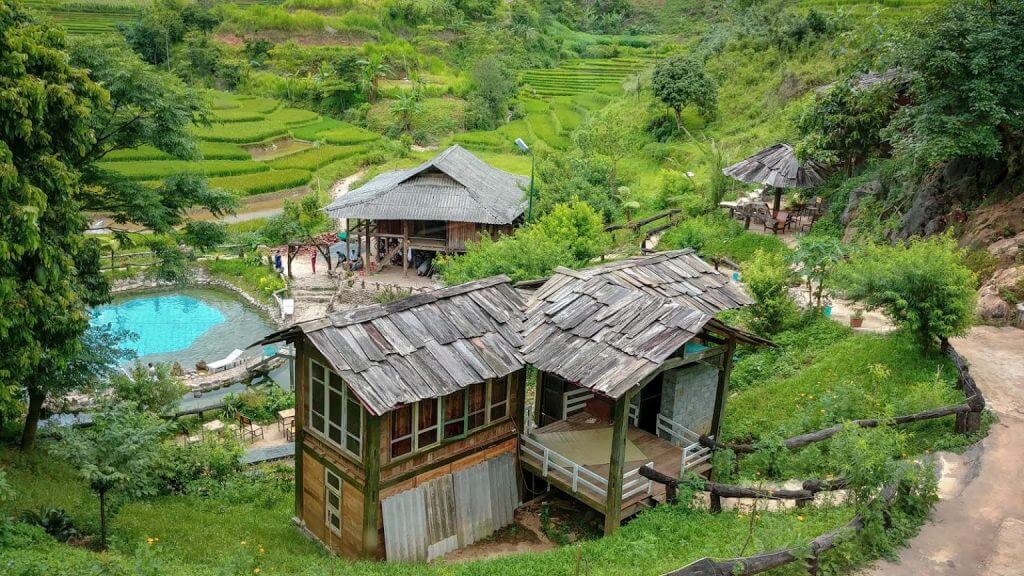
x=688, y=396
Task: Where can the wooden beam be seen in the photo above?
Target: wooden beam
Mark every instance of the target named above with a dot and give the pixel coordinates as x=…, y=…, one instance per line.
x=613, y=501
x=723, y=387
x=371, y=488
x=366, y=250
x=538, y=399
x=300, y=399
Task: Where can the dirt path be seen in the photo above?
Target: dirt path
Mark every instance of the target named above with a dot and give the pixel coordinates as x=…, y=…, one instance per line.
x=977, y=529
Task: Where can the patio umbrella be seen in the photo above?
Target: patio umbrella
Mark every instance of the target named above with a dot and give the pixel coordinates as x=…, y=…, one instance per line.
x=778, y=167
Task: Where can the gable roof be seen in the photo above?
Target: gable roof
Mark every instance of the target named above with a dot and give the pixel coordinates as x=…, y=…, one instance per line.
x=606, y=328
x=422, y=346
x=454, y=186
x=778, y=166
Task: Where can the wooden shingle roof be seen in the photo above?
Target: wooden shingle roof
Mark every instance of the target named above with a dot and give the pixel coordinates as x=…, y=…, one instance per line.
x=453, y=186
x=606, y=328
x=422, y=346
x=778, y=167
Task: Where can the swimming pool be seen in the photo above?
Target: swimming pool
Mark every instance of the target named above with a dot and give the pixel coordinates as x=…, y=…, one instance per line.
x=184, y=325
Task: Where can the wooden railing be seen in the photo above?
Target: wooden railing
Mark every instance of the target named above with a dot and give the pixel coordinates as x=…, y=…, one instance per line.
x=579, y=477
x=575, y=400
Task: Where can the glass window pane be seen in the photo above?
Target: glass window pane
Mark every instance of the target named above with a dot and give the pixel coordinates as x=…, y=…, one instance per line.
x=499, y=390
x=427, y=414
x=401, y=447
x=427, y=437
x=336, y=382
x=454, y=405
x=334, y=433
x=334, y=415
x=317, y=422
x=498, y=411
x=401, y=422
x=352, y=444
x=476, y=420
x=455, y=428
x=354, y=422
x=318, y=371
x=317, y=398
x=476, y=397
x=333, y=481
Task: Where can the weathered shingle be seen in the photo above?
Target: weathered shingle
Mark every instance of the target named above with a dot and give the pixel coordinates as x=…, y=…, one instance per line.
x=606, y=328
x=778, y=166
x=453, y=186
x=423, y=346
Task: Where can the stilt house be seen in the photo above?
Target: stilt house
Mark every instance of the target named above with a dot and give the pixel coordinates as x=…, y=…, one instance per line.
x=632, y=368
x=407, y=415
x=437, y=207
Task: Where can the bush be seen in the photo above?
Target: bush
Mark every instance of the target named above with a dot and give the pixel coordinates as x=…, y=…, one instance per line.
x=254, y=278
x=767, y=277
x=714, y=236
x=260, y=404
x=152, y=389
x=55, y=521
x=922, y=286
x=182, y=465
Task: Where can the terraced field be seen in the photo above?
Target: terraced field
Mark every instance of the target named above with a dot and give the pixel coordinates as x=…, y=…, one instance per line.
x=582, y=76
x=251, y=147
x=85, y=17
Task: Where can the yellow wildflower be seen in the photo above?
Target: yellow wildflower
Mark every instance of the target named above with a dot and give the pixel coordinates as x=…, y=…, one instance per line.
x=800, y=518
x=149, y=541
x=243, y=542
x=256, y=570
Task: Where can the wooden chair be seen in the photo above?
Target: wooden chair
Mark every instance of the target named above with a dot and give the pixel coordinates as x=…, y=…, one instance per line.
x=770, y=221
x=247, y=430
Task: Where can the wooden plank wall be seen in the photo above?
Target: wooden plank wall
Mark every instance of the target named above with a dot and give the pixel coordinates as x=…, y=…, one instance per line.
x=350, y=542
x=450, y=511
x=459, y=233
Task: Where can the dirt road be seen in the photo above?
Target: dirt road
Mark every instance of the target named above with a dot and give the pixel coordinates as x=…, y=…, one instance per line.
x=977, y=529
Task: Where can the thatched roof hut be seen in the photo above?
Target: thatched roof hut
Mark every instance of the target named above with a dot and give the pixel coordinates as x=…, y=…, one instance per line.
x=779, y=168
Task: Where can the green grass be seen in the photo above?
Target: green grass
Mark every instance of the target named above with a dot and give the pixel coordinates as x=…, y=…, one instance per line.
x=257, y=280
x=259, y=183
x=347, y=134
x=209, y=150
x=158, y=169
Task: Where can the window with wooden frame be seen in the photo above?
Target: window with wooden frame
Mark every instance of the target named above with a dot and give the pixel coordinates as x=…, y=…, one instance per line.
x=477, y=405
x=455, y=414
x=414, y=427
x=332, y=501
x=498, y=399
x=334, y=414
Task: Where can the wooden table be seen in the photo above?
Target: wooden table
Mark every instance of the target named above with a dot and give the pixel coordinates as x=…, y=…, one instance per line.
x=213, y=427
x=284, y=418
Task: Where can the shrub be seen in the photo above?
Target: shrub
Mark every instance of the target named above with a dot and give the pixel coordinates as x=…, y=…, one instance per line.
x=922, y=286
x=151, y=389
x=55, y=521
x=714, y=236
x=260, y=404
x=254, y=278
x=767, y=276
x=182, y=465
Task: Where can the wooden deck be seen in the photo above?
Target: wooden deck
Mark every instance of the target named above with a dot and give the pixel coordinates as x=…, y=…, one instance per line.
x=666, y=458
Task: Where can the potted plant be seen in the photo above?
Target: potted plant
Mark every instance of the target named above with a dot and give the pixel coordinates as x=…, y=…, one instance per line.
x=857, y=319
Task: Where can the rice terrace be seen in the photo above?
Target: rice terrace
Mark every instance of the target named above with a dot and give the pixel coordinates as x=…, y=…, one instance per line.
x=460, y=287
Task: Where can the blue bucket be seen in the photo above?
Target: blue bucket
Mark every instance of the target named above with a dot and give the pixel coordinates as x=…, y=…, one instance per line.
x=828, y=311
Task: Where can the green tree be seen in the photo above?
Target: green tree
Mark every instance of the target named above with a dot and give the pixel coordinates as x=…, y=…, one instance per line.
x=845, y=124
x=407, y=106
x=48, y=269
x=525, y=255
x=204, y=236
x=680, y=81
x=118, y=453
x=297, y=225
x=766, y=276
x=922, y=286
x=816, y=257
x=373, y=69
x=613, y=134
x=494, y=87
x=967, y=67
x=151, y=388
x=577, y=226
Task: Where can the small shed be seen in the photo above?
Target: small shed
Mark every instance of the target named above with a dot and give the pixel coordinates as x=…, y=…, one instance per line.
x=439, y=206
x=778, y=167
x=405, y=429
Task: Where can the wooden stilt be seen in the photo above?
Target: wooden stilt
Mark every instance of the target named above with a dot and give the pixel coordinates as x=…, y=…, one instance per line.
x=613, y=501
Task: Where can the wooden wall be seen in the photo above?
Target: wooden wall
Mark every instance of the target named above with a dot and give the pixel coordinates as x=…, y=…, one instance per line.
x=459, y=233
x=350, y=542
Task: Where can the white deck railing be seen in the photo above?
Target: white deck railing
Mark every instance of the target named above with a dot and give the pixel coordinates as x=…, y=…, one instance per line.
x=575, y=400
x=578, y=476
x=694, y=454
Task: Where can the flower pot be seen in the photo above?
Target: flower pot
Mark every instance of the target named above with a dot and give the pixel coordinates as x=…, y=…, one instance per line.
x=856, y=322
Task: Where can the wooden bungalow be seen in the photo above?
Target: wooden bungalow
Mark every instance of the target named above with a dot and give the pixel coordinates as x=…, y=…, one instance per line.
x=407, y=419
x=437, y=207
x=632, y=368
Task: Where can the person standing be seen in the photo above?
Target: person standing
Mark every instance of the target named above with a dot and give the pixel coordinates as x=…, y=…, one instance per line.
x=312, y=261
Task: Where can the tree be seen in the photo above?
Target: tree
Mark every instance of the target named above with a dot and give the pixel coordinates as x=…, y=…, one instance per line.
x=922, y=286
x=613, y=134
x=142, y=105
x=577, y=226
x=680, y=81
x=525, y=255
x=46, y=264
x=845, y=125
x=816, y=257
x=156, y=391
x=373, y=69
x=967, y=68
x=766, y=276
x=156, y=31
x=118, y=453
x=297, y=225
x=204, y=236
x=493, y=88
x=407, y=107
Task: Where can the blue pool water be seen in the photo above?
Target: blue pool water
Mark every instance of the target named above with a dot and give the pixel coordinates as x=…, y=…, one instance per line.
x=186, y=325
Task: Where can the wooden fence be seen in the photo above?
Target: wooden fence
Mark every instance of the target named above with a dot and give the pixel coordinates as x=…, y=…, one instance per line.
x=636, y=225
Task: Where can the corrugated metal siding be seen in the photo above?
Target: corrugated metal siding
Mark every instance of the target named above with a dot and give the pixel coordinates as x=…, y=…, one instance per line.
x=451, y=511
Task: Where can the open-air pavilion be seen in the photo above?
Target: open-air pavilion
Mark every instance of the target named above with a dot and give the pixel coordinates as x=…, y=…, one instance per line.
x=778, y=168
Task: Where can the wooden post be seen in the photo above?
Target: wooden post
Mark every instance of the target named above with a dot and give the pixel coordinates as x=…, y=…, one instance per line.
x=371, y=489
x=366, y=249
x=538, y=399
x=723, y=386
x=300, y=400
x=613, y=501
x=405, y=247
